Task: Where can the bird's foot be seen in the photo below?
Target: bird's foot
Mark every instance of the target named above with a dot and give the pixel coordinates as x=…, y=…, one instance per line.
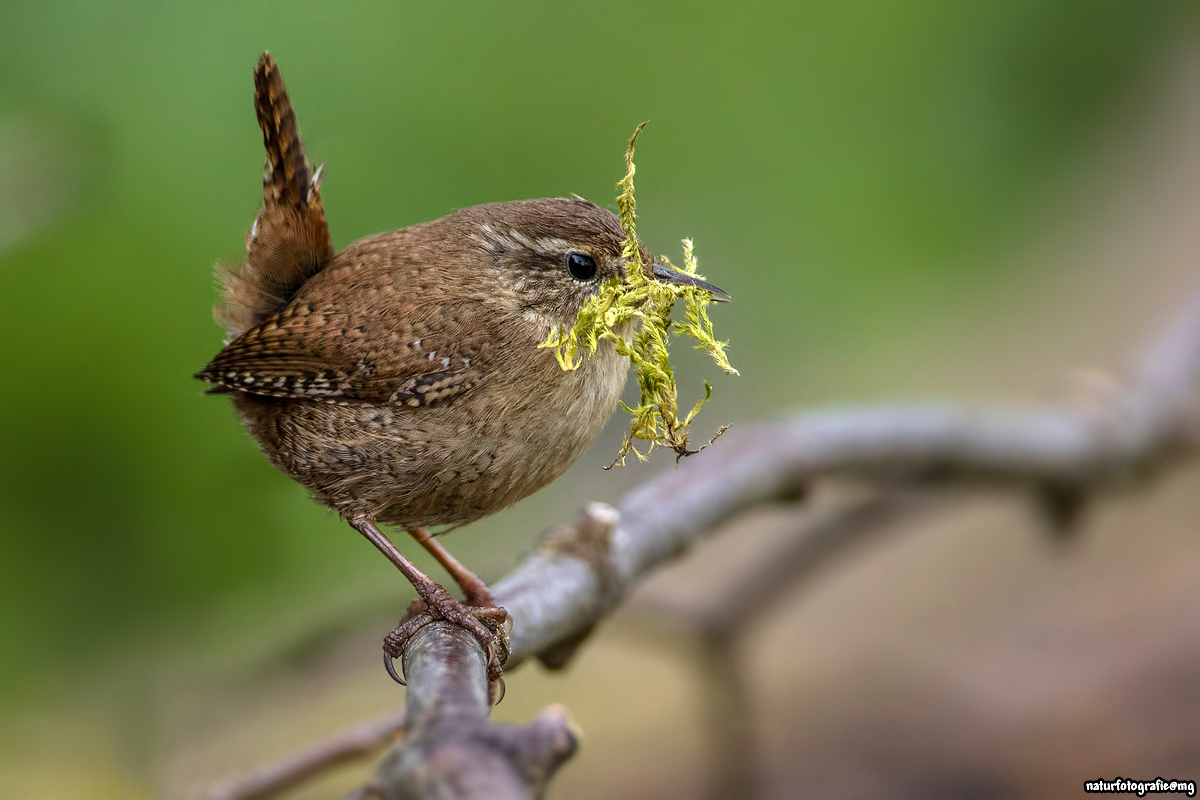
x=480, y=616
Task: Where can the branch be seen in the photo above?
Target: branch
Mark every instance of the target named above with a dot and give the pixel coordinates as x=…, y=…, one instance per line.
x=584, y=569
x=358, y=741
x=451, y=750
x=714, y=629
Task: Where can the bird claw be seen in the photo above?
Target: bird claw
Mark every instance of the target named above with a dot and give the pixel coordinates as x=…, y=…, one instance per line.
x=496, y=690
x=488, y=624
x=389, y=664
x=395, y=642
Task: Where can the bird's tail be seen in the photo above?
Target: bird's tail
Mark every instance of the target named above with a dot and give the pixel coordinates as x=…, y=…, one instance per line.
x=286, y=178
x=290, y=240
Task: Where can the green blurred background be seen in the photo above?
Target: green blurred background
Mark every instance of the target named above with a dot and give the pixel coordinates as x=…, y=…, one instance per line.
x=846, y=168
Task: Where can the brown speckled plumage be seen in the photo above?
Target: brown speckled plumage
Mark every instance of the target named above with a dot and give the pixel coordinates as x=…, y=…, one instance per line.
x=400, y=380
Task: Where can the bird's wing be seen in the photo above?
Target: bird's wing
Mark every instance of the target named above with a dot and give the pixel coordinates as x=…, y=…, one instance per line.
x=322, y=353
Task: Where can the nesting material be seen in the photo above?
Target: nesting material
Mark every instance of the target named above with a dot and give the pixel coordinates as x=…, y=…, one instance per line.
x=641, y=297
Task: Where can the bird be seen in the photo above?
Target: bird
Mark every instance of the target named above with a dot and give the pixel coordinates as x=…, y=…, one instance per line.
x=399, y=380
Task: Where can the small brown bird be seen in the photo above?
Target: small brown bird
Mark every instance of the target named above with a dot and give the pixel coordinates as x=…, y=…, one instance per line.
x=400, y=380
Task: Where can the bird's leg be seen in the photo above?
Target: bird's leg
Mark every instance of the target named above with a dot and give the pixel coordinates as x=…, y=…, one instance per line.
x=475, y=590
x=479, y=600
x=438, y=604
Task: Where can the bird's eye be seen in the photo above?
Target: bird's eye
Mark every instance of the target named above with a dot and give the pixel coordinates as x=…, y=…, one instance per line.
x=582, y=267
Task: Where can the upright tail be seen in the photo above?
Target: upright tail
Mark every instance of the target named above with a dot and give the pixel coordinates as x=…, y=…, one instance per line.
x=285, y=179
x=290, y=240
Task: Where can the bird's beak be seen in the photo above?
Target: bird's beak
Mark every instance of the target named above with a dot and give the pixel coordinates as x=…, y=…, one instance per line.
x=665, y=273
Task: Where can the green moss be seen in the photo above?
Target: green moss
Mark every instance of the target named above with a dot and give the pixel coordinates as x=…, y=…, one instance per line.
x=656, y=418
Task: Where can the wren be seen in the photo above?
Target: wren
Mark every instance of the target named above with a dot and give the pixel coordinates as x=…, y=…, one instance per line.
x=400, y=380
